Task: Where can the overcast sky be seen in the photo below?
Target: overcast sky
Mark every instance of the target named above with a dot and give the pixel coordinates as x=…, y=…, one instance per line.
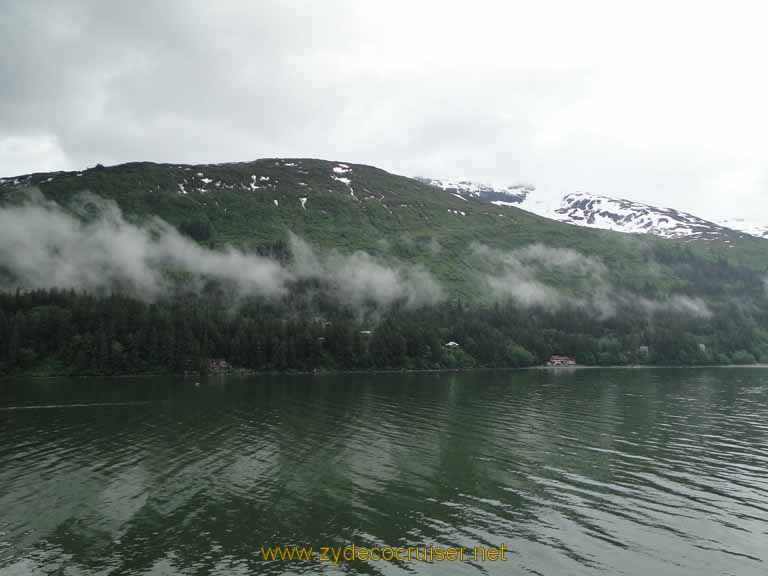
x=662, y=102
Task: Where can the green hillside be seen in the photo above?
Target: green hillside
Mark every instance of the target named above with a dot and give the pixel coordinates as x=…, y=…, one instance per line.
x=349, y=206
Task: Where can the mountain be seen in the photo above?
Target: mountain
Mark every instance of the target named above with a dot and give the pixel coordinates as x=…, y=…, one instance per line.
x=381, y=268
x=603, y=212
x=353, y=207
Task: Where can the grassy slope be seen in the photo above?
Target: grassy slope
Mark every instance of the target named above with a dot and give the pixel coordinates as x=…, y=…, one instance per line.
x=389, y=215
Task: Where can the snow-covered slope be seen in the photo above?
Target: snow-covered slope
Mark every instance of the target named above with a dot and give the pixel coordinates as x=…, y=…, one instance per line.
x=512, y=195
x=607, y=213
x=594, y=211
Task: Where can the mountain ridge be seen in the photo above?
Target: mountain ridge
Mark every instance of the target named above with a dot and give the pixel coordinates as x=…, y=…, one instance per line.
x=604, y=212
x=578, y=208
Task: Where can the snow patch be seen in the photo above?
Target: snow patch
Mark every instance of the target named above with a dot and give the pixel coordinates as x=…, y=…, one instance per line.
x=466, y=188
x=346, y=181
x=348, y=184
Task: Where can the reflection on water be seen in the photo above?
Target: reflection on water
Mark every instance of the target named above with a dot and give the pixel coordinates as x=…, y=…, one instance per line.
x=589, y=472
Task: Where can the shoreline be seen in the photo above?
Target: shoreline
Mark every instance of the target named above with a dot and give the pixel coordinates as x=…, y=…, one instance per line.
x=561, y=369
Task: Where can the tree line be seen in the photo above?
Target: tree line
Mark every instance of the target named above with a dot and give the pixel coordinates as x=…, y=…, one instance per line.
x=69, y=332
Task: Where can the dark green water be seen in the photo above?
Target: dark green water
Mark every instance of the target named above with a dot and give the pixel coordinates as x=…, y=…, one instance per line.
x=642, y=472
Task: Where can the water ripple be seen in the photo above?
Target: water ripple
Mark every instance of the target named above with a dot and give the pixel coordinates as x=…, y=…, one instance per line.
x=596, y=472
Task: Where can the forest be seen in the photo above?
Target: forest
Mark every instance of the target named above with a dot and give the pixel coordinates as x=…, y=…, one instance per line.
x=69, y=332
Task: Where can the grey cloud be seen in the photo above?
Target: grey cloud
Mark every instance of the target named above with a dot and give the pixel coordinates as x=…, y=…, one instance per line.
x=172, y=80
x=525, y=276
x=91, y=246
x=42, y=246
x=520, y=274
x=359, y=279
x=496, y=93
x=692, y=306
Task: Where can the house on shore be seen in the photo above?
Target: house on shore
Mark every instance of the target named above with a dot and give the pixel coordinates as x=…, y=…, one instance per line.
x=218, y=365
x=561, y=361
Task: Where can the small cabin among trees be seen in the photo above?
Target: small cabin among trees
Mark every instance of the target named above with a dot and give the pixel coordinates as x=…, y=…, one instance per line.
x=218, y=365
x=561, y=361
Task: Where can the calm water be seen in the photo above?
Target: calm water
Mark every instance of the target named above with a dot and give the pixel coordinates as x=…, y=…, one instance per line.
x=645, y=472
